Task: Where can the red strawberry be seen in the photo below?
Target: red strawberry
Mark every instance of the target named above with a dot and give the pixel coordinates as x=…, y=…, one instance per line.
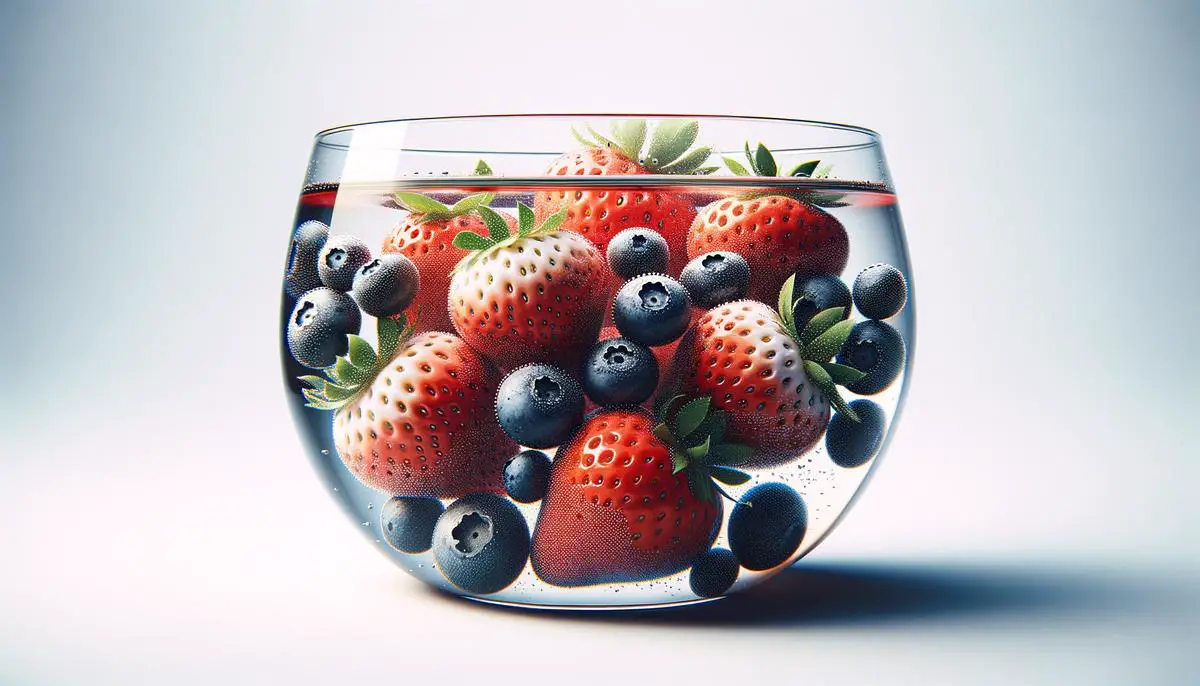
x=417, y=418
x=775, y=383
x=600, y=214
x=630, y=497
x=426, y=236
x=779, y=233
x=527, y=297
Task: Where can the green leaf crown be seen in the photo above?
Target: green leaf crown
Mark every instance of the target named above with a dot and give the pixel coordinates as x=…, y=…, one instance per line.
x=821, y=339
x=353, y=373
x=762, y=163
x=695, y=434
x=500, y=235
x=669, y=150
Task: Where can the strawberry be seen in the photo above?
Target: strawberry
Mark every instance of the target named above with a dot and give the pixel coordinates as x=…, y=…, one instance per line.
x=426, y=236
x=776, y=384
x=600, y=214
x=631, y=496
x=529, y=296
x=416, y=417
x=779, y=232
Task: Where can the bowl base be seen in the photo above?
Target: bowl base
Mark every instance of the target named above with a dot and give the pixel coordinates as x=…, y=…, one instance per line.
x=590, y=608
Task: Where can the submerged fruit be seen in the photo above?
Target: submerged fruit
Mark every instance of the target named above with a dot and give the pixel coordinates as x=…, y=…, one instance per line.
x=526, y=476
x=539, y=405
x=875, y=349
x=386, y=286
x=852, y=444
x=318, y=326
x=407, y=523
x=306, y=246
x=638, y=251
x=481, y=543
x=715, y=278
x=880, y=291
x=339, y=261
x=767, y=525
x=652, y=310
x=618, y=371
x=713, y=573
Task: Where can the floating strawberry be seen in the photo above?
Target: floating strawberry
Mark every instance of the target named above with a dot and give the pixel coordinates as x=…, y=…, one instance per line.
x=600, y=214
x=416, y=417
x=531, y=296
x=426, y=237
x=779, y=232
x=631, y=496
x=776, y=383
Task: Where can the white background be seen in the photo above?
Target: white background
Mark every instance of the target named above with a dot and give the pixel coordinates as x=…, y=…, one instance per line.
x=1033, y=522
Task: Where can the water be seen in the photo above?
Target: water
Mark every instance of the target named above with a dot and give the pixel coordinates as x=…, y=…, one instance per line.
x=367, y=210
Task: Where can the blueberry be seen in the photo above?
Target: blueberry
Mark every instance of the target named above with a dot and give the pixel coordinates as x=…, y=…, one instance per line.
x=875, y=349
x=652, y=309
x=880, y=291
x=318, y=325
x=407, y=523
x=527, y=475
x=481, y=543
x=339, y=261
x=713, y=573
x=539, y=405
x=386, y=285
x=850, y=443
x=302, y=274
x=715, y=278
x=817, y=293
x=637, y=251
x=618, y=371
x=767, y=525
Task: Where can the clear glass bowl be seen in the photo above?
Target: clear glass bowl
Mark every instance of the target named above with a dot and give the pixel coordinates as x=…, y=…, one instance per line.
x=597, y=361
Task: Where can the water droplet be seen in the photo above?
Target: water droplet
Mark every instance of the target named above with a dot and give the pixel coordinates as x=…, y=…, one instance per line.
x=366, y=523
x=325, y=451
x=370, y=506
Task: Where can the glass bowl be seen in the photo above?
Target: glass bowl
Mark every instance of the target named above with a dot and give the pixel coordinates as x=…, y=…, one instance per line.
x=596, y=361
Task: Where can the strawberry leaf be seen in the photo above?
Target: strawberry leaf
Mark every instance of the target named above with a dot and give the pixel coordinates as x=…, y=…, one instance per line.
x=701, y=485
x=820, y=323
x=679, y=462
x=671, y=139
x=705, y=170
x=497, y=227
x=361, y=354
x=582, y=141
x=334, y=393
x=389, y=332
x=839, y=404
x=312, y=381
x=730, y=454
x=525, y=219
x=822, y=172
x=764, y=162
x=689, y=162
x=821, y=378
x=841, y=374
x=736, y=167
x=690, y=415
x=804, y=169
x=469, y=203
x=750, y=159
x=663, y=433
x=630, y=135
x=482, y=169
x=553, y=221
x=601, y=141
x=469, y=240
x=697, y=453
x=785, y=306
x=664, y=403
x=315, y=401
x=827, y=344
x=420, y=204
x=348, y=374
x=731, y=477
x=714, y=426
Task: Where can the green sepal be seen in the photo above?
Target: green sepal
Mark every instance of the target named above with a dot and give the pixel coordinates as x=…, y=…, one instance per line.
x=840, y=404
x=525, y=219
x=422, y=204
x=482, y=169
x=691, y=415
x=347, y=374
x=736, y=167
x=704, y=171
x=822, y=172
x=764, y=161
x=602, y=140
x=497, y=227
x=730, y=454
x=579, y=137
x=312, y=381
x=698, y=453
x=553, y=221
x=804, y=169
x=390, y=332
x=671, y=139
x=663, y=404
x=786, y=305
x=828, y=343
x=689, y=163
x=663, y=433
x=679, y=461
x=728, y=476
x=315, y=401
x=630, y=135
x=469, y=203
x=361, y=354
x=842, y=375
x=820, y=323
x=817, y=374
x=750, y=159
x=701, y=484
x=469, y=240
x=334, y=393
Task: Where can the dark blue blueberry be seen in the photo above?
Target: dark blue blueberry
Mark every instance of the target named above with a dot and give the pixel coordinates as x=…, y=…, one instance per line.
x=715, y=278
x=818, y=293
x=306, y=246
x=539, y=405
x=527, y=475
x=318, y=325
x=618, y=371
x=850, y=443
x=880, y=291
x=652, y=309
x=407, y=523
x=339, y=261
x=875, y=349
x=767, y=525
x=713, y=573
x=386, y=285
x=481, y=543
x=637, y=251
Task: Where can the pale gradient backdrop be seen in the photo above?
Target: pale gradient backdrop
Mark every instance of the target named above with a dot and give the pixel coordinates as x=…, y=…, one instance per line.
x=157, y=520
